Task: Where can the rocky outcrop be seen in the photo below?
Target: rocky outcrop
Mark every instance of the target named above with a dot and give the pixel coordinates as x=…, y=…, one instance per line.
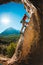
x=29, y=50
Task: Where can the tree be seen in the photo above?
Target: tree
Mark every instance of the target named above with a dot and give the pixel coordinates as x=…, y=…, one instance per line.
x=35, y=35
x=11, y=49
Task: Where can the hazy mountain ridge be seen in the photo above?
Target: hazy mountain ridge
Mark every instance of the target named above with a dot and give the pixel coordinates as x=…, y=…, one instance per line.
x=10, y=31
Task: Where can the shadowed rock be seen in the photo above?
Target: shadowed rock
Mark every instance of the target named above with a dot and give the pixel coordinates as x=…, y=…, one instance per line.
x=29, y=52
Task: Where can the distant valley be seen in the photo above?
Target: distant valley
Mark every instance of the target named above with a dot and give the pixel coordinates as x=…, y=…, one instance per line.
x=9, y=35
x=8, y=41
x=10, y=31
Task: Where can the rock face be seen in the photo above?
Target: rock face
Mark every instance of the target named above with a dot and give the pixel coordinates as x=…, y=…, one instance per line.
x=6, y=1
x=29, y=50
x=30, y=53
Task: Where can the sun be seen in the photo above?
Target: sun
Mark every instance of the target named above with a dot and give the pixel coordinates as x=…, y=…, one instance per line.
x=5, y=19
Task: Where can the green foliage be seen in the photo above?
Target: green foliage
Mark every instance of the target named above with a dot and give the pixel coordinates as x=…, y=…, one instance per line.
x=11, y=49
x=8, y=44
x=10, y=38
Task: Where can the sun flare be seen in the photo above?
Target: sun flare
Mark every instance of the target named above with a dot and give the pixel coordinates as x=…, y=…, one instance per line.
x=5, y=19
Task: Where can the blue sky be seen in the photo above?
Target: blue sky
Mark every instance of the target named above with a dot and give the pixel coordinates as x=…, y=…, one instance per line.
x=14, y=12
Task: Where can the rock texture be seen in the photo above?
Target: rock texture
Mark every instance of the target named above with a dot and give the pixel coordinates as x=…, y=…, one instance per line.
x=29, y=51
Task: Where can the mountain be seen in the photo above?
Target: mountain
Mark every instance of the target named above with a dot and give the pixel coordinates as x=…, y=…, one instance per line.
x=10, y=31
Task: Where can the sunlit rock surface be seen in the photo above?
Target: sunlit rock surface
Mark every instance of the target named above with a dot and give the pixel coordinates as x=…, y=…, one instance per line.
x=29, y=51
